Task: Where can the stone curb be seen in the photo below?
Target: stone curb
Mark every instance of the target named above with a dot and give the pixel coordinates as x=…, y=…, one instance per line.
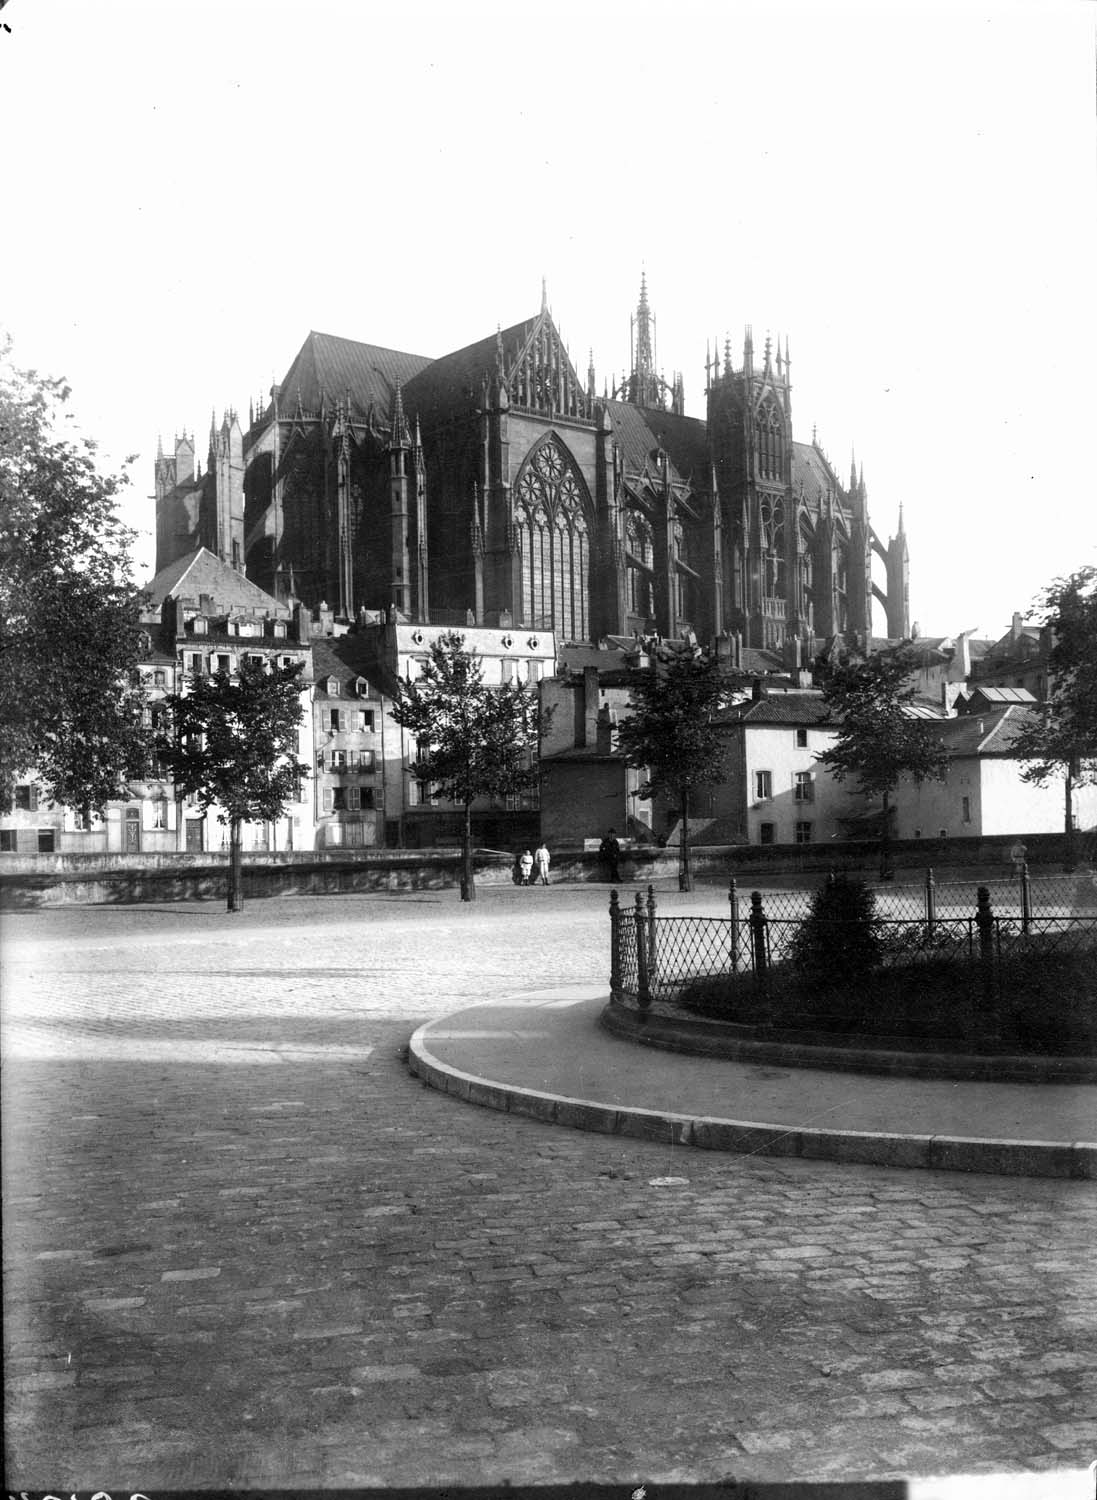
x=1075, y=1159
x=713, y=1039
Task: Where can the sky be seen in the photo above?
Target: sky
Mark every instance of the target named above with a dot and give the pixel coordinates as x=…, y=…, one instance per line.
x=907, y=191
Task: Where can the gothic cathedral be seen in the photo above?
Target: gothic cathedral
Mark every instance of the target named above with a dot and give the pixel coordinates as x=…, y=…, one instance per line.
x=493, y=486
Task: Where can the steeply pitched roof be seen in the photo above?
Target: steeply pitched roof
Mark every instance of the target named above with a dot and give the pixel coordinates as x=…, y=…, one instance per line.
x=201, y=572
x=811, y=469
x=453, y=382
x=333, y=366
x=346, y=657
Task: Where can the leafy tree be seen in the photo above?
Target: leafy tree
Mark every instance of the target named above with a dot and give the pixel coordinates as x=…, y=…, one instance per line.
x=670, y=733
x=70, y=628
x=1061, y=737
x=878, y=741
x=474, y=740
x=232, y=743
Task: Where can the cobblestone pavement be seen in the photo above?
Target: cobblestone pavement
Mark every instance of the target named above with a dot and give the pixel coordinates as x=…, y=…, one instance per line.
x=243, y=1247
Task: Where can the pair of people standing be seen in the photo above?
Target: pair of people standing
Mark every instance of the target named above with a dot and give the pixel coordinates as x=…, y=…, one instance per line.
x=540, y=860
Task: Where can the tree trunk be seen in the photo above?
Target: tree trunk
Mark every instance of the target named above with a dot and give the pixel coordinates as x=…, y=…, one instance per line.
x=1070, y=841
x=685, y=871
x=468, y=878
x=885, y=840
x=236, y=880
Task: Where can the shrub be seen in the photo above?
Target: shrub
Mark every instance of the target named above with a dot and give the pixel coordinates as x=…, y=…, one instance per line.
x=838, y=944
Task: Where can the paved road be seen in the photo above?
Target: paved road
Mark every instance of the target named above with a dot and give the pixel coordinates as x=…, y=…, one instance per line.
x=244, y=1247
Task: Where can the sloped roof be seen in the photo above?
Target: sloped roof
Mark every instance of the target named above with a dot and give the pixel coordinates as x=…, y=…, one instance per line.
x=201, y=572
x=346, y=657
x=1000, y=695
x=333, y=366
x=796, y=709
x=639, y=431
x=992, y=733
x=810, y=469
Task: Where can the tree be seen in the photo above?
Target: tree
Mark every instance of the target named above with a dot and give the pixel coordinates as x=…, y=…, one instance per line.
x=70, y=626
x=670, y=733
x=878, y=740
x=473, y=740
x=1061, y=736
x=231, y=742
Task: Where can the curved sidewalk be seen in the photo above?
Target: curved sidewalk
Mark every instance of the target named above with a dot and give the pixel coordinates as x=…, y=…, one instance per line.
x=543, y=1053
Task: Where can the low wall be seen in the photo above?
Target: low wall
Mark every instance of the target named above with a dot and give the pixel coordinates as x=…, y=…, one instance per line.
x=28, y=881
x=202, y=877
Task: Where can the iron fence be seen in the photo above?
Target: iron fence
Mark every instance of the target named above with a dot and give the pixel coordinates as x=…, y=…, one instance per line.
x=980, y=954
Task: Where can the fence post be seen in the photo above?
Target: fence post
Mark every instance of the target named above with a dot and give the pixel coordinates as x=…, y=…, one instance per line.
x=758, y=935
x=1026, y=897
x=733, y=902
x=653, y=954
x=643, y=987
x=984, y=921
x=931, y=902
x=614, y=945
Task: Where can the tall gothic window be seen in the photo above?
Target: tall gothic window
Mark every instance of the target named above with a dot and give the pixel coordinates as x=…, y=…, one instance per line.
x=773, y=548
x=554, y=539
x=640, y=553
x=771, y=435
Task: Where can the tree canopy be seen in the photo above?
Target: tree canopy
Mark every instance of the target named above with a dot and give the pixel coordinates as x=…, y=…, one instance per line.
x=474, y=739
x=878, y=741
x=670, y=733
x=1061, y=736
x=70, y=630
x=231, y=742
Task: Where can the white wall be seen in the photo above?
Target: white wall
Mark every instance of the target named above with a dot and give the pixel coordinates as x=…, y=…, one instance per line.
x=773, y=748
x=1000, y=802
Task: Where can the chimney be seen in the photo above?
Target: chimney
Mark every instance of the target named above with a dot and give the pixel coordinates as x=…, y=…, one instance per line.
x=590, y=706
x=606, y=729
x=1015, y=630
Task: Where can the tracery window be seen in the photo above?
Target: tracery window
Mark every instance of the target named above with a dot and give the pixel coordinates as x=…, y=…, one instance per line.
x=554, y=540
x=773, y=548
x=640, y=557
x=771, y=435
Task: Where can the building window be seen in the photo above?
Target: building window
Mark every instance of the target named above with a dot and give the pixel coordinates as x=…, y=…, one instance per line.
x=47, y=841
x=966, y=809
x=198, y=625
x=354, y=798
x=279, y=630
x=801, y=739
x=552, y=516
x=160, y=678
x=338, y=760
x=766, y=833
x=366, y=795
x=160, y=812
x=365, y=760
x=803, y=833
x=763, y=786
x=804, y=787
x=7, y=841
x=26, y=798
x=943, y=833
x=334, y=689
x=365, y=720
x=224, y=663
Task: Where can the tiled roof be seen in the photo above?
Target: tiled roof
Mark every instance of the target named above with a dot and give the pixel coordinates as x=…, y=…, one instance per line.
x=201, y=572
x=992, y=733
x=798, y=709
x=333, y=366
x=639, y=431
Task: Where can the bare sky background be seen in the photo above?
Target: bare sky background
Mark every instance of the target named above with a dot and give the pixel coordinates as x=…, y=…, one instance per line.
x=907, y=191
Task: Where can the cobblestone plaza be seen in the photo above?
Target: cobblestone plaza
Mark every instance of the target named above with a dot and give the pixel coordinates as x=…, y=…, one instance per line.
x=243, y=1247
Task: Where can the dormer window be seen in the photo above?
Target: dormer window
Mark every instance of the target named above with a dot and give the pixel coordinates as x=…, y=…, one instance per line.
x=361, y=687
x=199, y=626
x=279, y=629
x=334, y=687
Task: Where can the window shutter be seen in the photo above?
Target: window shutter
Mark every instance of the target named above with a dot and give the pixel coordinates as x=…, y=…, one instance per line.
x=327, y=799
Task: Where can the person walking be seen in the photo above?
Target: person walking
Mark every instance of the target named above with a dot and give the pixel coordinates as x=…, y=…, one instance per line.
x=542, y=859
x=525, y=864
x=609, y=852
